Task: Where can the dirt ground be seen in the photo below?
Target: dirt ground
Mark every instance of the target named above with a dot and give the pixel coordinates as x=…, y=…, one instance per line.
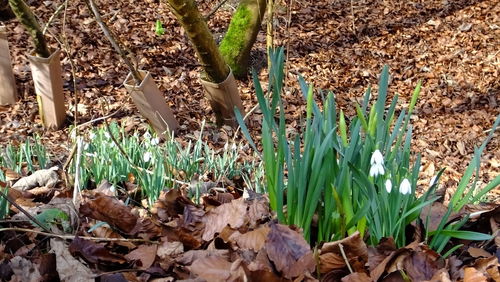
x=451, y=45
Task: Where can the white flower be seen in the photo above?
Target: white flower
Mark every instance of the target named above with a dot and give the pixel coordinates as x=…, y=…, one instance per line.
x=405, y=187
x=106, y=134
x=147, y=157
x=233, y=147
x=155, y=141
x=225, y=147
x=377, y=162
x=377, y=158
x=91, y=135
x=433, y=181
x=377, y=170
x=147, y=136
x=388, y=186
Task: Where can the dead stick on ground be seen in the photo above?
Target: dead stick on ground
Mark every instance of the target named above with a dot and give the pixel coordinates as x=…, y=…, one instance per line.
x=66, y=237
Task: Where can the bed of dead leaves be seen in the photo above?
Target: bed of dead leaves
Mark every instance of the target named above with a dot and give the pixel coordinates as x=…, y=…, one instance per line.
x=452, y=46
x=232, y=236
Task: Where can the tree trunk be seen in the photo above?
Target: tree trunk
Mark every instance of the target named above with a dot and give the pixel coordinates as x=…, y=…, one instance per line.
x=220, y=85
x=241, y=35
x=27, y=18
x=186, y=11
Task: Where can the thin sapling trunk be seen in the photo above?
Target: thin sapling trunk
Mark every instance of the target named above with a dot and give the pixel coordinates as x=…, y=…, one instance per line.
x=28, y=20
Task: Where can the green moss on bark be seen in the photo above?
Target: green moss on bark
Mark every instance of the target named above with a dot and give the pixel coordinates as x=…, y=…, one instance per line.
x=236, y=40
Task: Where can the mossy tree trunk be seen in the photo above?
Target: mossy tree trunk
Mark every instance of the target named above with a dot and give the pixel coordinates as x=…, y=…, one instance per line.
x=186, y=11
x=241, y=35
x=28, y=20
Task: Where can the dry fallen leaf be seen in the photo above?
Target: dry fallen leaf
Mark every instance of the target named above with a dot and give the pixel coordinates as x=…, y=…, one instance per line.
x=109, y=210
x=232, y=214
x=253, y=240
x=43, y=177
x=146, y=254
x=289, y=252
x=25, y=270
x=69, y=268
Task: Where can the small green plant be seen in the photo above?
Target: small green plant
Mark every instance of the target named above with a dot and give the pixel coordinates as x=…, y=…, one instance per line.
x=159, y=30
x=31, y=153
x=155, y=166
x=339, y=172
x=465, y=194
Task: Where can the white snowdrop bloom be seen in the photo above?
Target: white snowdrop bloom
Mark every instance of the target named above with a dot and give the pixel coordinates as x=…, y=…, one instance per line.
x=377, y=164
x=147, y=157
x=106, y=135
x=155, y=141
x=377, y=158
x=91, y=135
x=377, y=169
x=234, y=147
x=405, y=187
x=147, y=136
x=388, y=186
x=433, y=181
x=226, y=146
x=85, y=146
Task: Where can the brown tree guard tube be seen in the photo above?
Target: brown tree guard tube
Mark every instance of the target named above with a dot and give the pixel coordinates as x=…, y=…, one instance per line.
x=151, y=103
x=8, y=92
x=223, y=98
x=47, y=76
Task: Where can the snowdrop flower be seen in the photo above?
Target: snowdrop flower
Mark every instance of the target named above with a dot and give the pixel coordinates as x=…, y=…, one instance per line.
x=155, y=141
x=147, y=136
x=405, y=187
x=225, y=147
x=388, y=186
x=377, y=162
x=91, y=135
x=106, y=135
x=147, y=157
x=433, y=181
x=234, y=147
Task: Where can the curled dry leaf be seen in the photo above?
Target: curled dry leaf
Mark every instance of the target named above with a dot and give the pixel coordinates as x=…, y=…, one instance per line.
x=168, y=249
x=43, y=177
x=170, y=204
x=106, y=232
x=145, y=254
x=69, y=268
x=94, y=253
x=110, y=210
x=354, y=248
x=216, y=268
x=258, y=210
x=289, y=251
x=190, y=256
x=423, y=263
x=253, y=240
x=232, y=213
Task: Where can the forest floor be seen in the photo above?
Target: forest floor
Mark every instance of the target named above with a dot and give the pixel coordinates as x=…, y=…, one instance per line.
x=452, y=46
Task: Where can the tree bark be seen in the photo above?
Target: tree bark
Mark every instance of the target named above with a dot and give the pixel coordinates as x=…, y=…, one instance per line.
x=28, y=20
x=186, y=11
x=241, y=35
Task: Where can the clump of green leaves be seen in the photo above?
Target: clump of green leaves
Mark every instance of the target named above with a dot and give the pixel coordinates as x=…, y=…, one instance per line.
x=341, y=172
x=153, y=164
